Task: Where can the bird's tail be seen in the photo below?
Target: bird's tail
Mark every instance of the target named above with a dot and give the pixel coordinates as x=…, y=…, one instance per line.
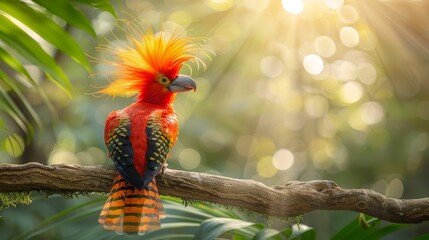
x=130, y=210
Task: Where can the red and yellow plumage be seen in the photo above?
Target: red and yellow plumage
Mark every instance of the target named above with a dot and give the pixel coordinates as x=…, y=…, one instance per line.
x=140, y=136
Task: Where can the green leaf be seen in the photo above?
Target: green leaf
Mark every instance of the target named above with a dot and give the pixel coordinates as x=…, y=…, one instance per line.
x=376, y=234
x=26, y=46
x=65, y=10
x=14, y=145
x=192, y=211
x=11, y=84
x=174, y=231
x=67, y=216
x=103, y=5
x=353, y=230
x=212, y=228
x=362, y=221
x=372, y=229
x=46, y=28
x=16, y=65
x=73, y=209
x=422, y=237
x=303, y=232
x=269, y=233
x=10, y=107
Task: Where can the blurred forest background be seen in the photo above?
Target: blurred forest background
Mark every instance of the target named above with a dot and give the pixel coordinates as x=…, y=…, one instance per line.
x=297, y=90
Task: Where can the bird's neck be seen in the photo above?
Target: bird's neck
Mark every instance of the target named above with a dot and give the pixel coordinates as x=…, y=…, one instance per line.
x=163, y=101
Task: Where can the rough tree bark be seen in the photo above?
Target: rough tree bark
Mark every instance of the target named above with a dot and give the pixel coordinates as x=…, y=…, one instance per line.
x=291, y=199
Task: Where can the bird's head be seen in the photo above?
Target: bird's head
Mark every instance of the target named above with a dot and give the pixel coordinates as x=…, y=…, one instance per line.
x=149, y=67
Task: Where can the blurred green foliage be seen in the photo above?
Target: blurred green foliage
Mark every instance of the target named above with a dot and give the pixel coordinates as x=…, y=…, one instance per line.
x=298, y=90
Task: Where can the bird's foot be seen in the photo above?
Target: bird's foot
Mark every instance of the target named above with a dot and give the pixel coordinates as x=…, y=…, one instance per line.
x=164, y=166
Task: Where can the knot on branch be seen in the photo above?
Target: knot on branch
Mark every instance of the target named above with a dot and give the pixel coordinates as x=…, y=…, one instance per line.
x=362, y=205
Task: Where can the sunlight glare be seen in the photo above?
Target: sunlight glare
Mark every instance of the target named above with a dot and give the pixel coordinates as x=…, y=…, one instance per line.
x=313, y=64
x=293, y=6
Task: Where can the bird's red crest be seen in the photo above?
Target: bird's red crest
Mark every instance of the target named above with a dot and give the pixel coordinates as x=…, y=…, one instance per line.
x=144, y=58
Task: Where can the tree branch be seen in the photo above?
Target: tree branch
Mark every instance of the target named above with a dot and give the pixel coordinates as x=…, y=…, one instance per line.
x=291, y=199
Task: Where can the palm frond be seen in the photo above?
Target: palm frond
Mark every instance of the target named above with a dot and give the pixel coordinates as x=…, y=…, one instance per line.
x=31, y=33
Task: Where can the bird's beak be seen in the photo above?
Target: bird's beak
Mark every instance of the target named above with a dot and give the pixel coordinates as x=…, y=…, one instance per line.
x=182, y=83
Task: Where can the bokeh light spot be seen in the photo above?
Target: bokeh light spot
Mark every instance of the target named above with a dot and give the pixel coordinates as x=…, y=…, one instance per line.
x=343, y=70
x=354, y=119
x=283, y=159
x=256, y=5
x=246, y=145
x=271, y=66
x=351, y=92
x=319, y=149
x=103, y=23
x=189, y=159
x=265, y=167
x=368, y=39
x=61, y=155
x=380, y=186
x=395, y=188
x=348, y=14
x=265, y=146
x=324, y=46
x=334, y=4
x=293, y=6
x=327, y=127
x=349, y=36
x=213, y=140
x=181, y=17
x=313, y=64
x=316, y=106
x=372, y=112
x=367, y=73
x=219, y=5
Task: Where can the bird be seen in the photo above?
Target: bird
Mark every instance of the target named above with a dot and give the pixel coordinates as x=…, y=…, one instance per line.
x=140, y=136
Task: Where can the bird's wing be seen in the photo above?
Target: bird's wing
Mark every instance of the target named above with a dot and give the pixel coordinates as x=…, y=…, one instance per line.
x=117, y=138
x=158, y=147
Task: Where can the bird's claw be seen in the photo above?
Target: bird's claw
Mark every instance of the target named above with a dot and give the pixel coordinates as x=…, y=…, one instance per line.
x=164, y=166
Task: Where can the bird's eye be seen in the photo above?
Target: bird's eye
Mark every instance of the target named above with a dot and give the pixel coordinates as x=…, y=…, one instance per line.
x=164, y=80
